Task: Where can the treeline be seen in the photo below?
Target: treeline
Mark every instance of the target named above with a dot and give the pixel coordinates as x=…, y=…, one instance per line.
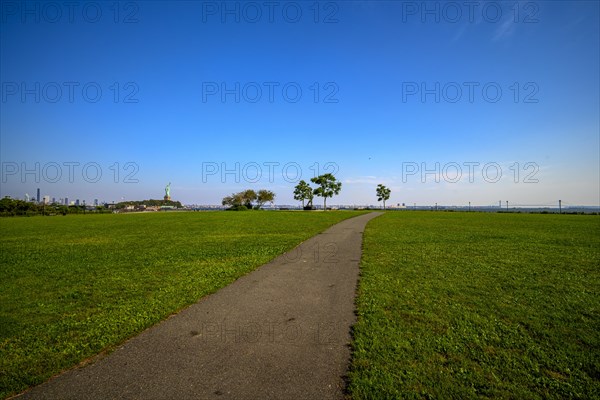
x=148, y=203
x=327, y=186
x=245, y=200
x=12, y=207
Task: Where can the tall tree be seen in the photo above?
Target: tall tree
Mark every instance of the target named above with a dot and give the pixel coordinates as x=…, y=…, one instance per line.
x=328, y=186
x=302, y=192
x=248, y=197
x=264, y=196
x=383, y=194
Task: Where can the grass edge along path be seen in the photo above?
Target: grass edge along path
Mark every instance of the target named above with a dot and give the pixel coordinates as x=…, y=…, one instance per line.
x=72, y=287
x=474, y=305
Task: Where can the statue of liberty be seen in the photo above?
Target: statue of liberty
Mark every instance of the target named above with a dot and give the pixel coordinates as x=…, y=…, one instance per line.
x=168, y=192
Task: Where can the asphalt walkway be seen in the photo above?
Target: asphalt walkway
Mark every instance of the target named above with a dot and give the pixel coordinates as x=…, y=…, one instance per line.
x=280, y=332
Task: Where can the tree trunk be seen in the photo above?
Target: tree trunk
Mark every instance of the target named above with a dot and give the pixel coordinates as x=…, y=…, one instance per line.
x=324, y=203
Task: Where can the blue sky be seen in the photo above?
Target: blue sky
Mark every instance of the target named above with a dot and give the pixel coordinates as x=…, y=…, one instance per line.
x=494, y=101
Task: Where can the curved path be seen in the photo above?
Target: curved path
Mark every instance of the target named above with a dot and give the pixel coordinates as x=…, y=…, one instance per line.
x=280, y=332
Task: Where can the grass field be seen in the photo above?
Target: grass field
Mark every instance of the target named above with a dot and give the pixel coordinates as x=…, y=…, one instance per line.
x=451, y=305
x=71, y=287
x=476, y=305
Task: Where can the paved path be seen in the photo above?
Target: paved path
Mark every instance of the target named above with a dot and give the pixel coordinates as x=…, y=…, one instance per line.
x=280, y=332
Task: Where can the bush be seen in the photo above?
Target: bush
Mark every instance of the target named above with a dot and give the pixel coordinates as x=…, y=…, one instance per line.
x=237, y=208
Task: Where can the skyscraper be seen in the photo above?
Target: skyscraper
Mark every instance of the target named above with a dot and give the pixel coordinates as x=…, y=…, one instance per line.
x=38, y=195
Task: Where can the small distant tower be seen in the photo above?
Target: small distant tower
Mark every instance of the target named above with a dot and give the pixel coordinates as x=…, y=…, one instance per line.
x=37, y=198
x=27, y=197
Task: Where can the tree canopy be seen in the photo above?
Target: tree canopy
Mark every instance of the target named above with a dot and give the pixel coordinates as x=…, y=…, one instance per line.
x=383, y=194
x=14, y=207
x=244, y=200
x=263, y=197
x=303, y=192
x=328, y=186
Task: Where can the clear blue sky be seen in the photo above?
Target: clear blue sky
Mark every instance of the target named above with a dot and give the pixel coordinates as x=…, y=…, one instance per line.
x=379, y=102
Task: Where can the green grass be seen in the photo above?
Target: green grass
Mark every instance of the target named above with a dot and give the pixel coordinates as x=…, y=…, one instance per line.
x=474, y=305
x=71, y=287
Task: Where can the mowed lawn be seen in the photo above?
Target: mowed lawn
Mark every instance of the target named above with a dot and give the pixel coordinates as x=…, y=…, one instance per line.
x=71, y=287
x=476, y=305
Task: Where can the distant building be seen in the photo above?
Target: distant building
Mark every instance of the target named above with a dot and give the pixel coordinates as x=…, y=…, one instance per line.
x=53, y=200
x=66, y=201
x=77, y=202
x=46, y=199
x=38, y=195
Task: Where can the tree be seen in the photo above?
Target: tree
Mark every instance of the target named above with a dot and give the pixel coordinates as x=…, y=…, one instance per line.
x=327, y=187
x=235, y=200
x=383, y=193
x=243, y=200
x=264, y=196
x=228, y=200
x=302, y=192
x=248, y=197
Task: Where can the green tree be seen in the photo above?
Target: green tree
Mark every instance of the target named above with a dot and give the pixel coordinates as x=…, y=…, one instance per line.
x=264, y=196
x=235, y=200
x=328, y=186
x=10, y=206
x=302, y=192
x=248, y=197
x=243, y=200
x=383, y=194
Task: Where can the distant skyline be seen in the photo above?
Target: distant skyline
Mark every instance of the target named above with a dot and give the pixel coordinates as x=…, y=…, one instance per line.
x=443, y=102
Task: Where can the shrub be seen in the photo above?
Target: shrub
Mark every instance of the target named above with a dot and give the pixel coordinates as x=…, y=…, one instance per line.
x=238, y=208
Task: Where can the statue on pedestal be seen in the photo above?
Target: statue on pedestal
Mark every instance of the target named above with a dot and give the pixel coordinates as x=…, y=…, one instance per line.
x=168, y=192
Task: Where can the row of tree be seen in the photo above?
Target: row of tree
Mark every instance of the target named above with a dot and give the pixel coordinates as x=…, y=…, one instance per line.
x=148, y=203
x=327, y=186
x=245, y=199
x=12, y=207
